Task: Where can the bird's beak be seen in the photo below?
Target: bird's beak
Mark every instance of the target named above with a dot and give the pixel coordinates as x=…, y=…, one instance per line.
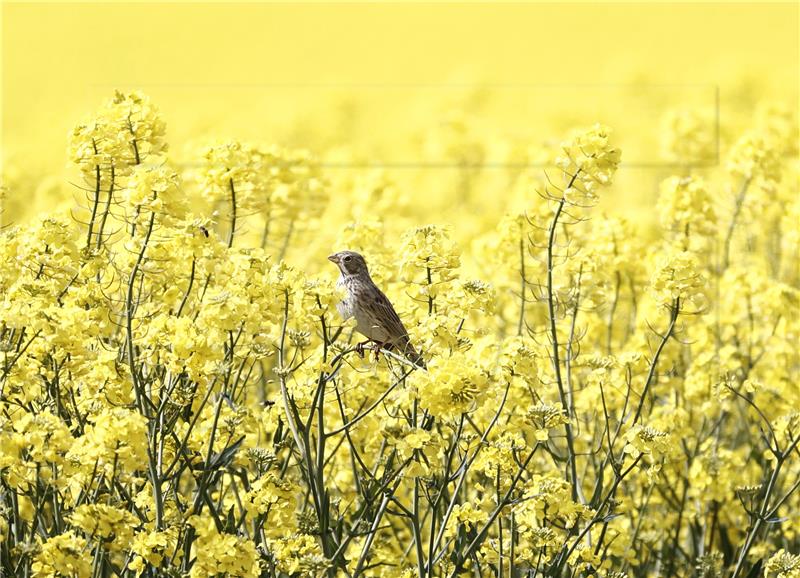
x=333, y=258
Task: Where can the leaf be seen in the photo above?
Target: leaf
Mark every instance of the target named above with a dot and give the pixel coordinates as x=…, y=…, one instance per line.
x=755, y=571
x=223, y=458
x=230, y=521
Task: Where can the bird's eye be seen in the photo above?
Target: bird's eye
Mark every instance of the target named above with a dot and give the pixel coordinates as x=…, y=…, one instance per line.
x=348, y=258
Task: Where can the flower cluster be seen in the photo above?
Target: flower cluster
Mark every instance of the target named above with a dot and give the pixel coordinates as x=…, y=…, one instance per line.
x=686, y=208
x=676, y=278
x=687, y=137
x=589, y=162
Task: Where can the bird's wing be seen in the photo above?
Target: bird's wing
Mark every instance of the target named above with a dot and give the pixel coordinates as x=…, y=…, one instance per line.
x=385, y=316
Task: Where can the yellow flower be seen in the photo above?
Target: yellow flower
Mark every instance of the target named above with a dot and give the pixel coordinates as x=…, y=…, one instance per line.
x=754, y=157
x=63, y=555
x=415, y=439
x=519, y=358
x=649, y=441
x=469, y=515
x=115, y=438
x=429, y=256
x=548, y=497
x=544, y=417
x=154, y=189
x=677, y=276
x=685, y=207
x=782, y=564
x=152, y=548
x=589, y=162
x=111, y=526
x=296, y=553
x=125, y=132
x=274, y=497
x=220, y=553
x=451, y=386
x=688, y=137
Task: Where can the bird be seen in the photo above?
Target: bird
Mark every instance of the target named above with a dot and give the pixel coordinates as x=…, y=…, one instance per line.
x=375, y=316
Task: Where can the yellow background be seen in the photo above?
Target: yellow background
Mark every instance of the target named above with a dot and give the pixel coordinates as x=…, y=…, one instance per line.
x=368, y=75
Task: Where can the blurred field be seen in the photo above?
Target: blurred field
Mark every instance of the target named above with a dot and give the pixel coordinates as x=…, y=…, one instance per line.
x=393, y=85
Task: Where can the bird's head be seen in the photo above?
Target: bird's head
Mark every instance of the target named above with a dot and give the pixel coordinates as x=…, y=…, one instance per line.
x=349, y=262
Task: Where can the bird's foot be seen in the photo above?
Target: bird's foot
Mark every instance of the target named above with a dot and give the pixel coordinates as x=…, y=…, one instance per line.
x=376, y=348
x=360, y=348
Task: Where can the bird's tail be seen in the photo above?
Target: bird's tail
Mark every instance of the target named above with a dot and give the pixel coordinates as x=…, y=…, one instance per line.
x=413, y=355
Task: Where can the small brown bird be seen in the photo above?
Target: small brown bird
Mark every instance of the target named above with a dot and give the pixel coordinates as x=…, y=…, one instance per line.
x=376, y=319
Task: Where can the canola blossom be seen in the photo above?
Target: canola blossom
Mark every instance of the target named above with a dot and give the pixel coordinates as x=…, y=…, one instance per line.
x=179, y=396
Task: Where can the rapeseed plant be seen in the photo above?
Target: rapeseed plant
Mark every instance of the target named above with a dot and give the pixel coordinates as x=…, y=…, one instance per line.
x=180, y=397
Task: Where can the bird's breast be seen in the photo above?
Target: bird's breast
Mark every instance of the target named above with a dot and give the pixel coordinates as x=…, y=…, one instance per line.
x=355, y=305
x=346, y=306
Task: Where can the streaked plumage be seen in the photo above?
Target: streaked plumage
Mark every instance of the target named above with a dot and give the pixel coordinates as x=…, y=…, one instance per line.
x=375, y=317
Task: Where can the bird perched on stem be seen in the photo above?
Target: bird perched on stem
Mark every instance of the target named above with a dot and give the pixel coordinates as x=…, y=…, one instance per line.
x=376, y=319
